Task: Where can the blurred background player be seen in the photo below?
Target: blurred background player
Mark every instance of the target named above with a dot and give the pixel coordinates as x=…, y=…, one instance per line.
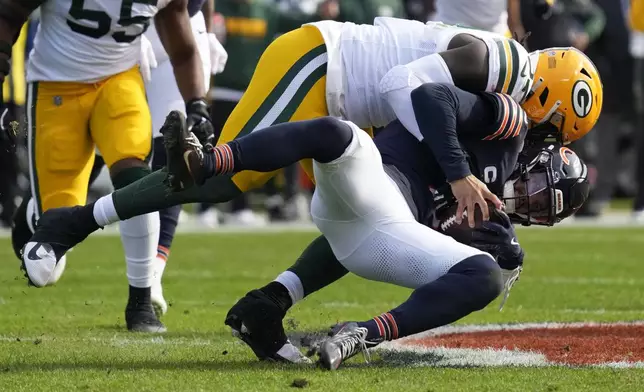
x=163, y=97
x=498, y=16
x=246, y=28
x=105, y=95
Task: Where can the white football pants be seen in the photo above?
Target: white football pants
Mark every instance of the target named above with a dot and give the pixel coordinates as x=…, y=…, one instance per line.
x=370, y=228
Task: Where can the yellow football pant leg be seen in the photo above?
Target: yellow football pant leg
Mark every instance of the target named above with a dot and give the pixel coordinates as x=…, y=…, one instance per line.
x=66, y=119
x=120, y=123
x=60, y=148
x=289, y=84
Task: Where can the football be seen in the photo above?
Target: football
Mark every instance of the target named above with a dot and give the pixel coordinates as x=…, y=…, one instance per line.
x=444, y=221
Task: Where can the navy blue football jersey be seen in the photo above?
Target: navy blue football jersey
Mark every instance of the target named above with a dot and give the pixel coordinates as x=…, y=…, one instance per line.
x=491, y=129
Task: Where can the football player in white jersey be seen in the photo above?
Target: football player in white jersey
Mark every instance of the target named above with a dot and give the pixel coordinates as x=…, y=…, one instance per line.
x=86, y=90
x=366, y=74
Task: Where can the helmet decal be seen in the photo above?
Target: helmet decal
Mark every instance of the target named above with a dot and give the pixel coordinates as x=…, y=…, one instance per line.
x=559, y=201
x=562, y=152
x=582, y=98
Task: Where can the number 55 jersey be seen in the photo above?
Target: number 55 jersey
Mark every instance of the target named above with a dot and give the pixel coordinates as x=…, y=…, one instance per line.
x=85, y=91
x=88, y=40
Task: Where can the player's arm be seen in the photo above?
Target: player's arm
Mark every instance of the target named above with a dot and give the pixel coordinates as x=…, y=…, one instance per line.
x=208, y=10
x=13, y=14
x=175, y=32
x=464, y=64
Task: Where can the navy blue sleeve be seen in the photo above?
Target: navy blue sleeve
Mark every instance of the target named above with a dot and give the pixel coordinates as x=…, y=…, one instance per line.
x=445, y=113
x=436, y=109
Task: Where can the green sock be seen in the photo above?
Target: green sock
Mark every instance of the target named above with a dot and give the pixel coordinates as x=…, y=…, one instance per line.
x=150, y=193
x=317, y=267
x=129, y=175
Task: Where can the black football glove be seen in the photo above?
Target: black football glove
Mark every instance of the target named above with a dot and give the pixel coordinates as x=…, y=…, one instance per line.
x=498, y=238
x=199, y=123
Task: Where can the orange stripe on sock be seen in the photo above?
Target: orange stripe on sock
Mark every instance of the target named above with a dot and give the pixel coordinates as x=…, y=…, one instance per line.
x=381, y=328
x=394, y=326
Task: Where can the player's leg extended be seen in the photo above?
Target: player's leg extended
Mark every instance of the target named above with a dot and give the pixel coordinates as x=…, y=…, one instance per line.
x=61, y=154
x=289, y=79
x=451, y=280
x=122, y=129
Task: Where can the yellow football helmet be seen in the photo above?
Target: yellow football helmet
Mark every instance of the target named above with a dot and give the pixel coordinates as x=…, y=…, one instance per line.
x=566, y=92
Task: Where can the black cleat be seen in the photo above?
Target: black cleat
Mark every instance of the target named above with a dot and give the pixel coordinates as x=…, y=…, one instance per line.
x=347, y=340
x=58, y=230
x=184, y=153
x=143, y=320
x=257, y=321
x=139, y=313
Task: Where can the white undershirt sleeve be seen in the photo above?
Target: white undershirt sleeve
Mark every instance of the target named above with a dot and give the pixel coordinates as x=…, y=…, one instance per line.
x=397, y=84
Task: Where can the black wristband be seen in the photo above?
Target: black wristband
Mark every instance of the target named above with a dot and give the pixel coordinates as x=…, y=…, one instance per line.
x=198, y=106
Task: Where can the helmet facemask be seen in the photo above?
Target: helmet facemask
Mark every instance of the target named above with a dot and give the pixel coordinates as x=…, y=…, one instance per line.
x=530, y=195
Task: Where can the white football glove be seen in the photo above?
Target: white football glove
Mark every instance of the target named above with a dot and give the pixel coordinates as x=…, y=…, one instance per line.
x=218, y=55
x=510, y=277
x=148, y=60
x=637, y=44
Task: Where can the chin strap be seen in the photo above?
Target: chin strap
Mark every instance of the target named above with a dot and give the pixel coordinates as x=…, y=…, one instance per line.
x=510, y=277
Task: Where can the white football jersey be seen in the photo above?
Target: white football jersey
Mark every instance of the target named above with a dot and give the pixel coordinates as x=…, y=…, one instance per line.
x=359, y=56
x=490, y=15
x=89, y=40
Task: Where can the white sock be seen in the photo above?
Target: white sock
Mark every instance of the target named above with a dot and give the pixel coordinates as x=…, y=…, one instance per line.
x=159, y=266
x=140, y=236
x=293, y=284
x=105, y=212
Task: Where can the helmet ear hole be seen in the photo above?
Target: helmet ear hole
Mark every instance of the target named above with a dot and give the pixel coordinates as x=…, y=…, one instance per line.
x=543, y=97
x=583, y=71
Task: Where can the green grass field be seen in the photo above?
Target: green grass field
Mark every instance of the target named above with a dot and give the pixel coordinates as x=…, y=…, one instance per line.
x=72, y=336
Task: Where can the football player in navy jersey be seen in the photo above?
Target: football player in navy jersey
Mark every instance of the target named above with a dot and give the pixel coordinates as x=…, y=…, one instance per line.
x=371, y=202
x=490, y=131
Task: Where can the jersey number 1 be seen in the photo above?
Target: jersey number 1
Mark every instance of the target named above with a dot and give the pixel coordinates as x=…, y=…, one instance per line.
x=104, y=22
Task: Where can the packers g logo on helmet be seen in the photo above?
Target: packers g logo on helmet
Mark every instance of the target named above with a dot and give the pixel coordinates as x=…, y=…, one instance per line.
x=567, y=92
x=582, y=98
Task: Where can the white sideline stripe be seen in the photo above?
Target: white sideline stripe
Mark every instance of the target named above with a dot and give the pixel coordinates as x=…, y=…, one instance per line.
x=460, y=357
x=609, y=221
x=397, y=354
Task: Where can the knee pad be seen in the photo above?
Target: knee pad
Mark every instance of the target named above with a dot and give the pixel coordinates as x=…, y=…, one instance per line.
x=487, y=279
x=331, y=138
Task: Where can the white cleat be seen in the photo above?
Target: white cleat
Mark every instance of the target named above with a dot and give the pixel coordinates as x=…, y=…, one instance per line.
x=156, y=290
x=40, y=265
